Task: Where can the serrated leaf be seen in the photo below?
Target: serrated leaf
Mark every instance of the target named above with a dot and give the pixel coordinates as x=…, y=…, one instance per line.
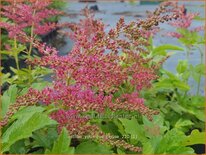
x=181, y=85
x=45, y=138
x=171, y=139
x=182, y=66
x=90, y=147
x=183, y=122
x=151, y=145
x=195, y=137
x=134, y=129
x=23, y=127
x=18, y=148
x=61, y=146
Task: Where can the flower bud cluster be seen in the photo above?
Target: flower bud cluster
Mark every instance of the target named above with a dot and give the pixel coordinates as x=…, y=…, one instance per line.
x=28, y=14
x=29, y=99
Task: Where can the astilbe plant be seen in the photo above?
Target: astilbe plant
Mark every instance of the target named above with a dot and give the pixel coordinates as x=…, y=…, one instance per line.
x=103, y=71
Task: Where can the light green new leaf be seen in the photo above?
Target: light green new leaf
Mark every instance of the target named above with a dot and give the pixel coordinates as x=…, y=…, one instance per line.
x=172, y=138
x=200, y=69
x=61, y=146
x=172, y=84
x=183, y=122
x=24, y=126
x=151, y=145
x=181, y=85
x=182, y=66
x=167, y=47
x=195, y=137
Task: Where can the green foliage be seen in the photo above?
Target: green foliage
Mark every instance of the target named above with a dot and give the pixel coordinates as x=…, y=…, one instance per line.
x=25, y=77
x=134, y=129
x=61, y=145
x=170, y=81
x=183, y=122
x=190, y=38
x=170, y=143
x=90, y=147
x=28, y=120
x=45, y=137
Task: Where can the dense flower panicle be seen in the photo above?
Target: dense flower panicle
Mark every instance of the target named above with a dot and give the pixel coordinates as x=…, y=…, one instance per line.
x=97, y=67
x=72, y=121
x=132, y=102
x=100, y=68
x=74, y=97
x=27, y=14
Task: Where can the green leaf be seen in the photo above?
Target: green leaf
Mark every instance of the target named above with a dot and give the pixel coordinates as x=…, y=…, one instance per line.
x=134, y=129
x=180, y=150
x=198, y=101
x=182, y=66
x=90, y=147
x=186, y=75
x=167, y=47
x=164, y=84
x=24, y=126
x=40, y=85
x=61, y=146
x=151, y=145
x=171, y=84
x=10, y=53
x=199, y=113
x=8, y=98
x=155, y=127
x=183, y=122
x=18, y=148
x=195, y=137
x=109, y=127
x=119, y=151
x=181, y=85
x=200, y=69
x=26, y=112
x=171, y=139
x=159, y=52
x=45, y=138
x=4, y=78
